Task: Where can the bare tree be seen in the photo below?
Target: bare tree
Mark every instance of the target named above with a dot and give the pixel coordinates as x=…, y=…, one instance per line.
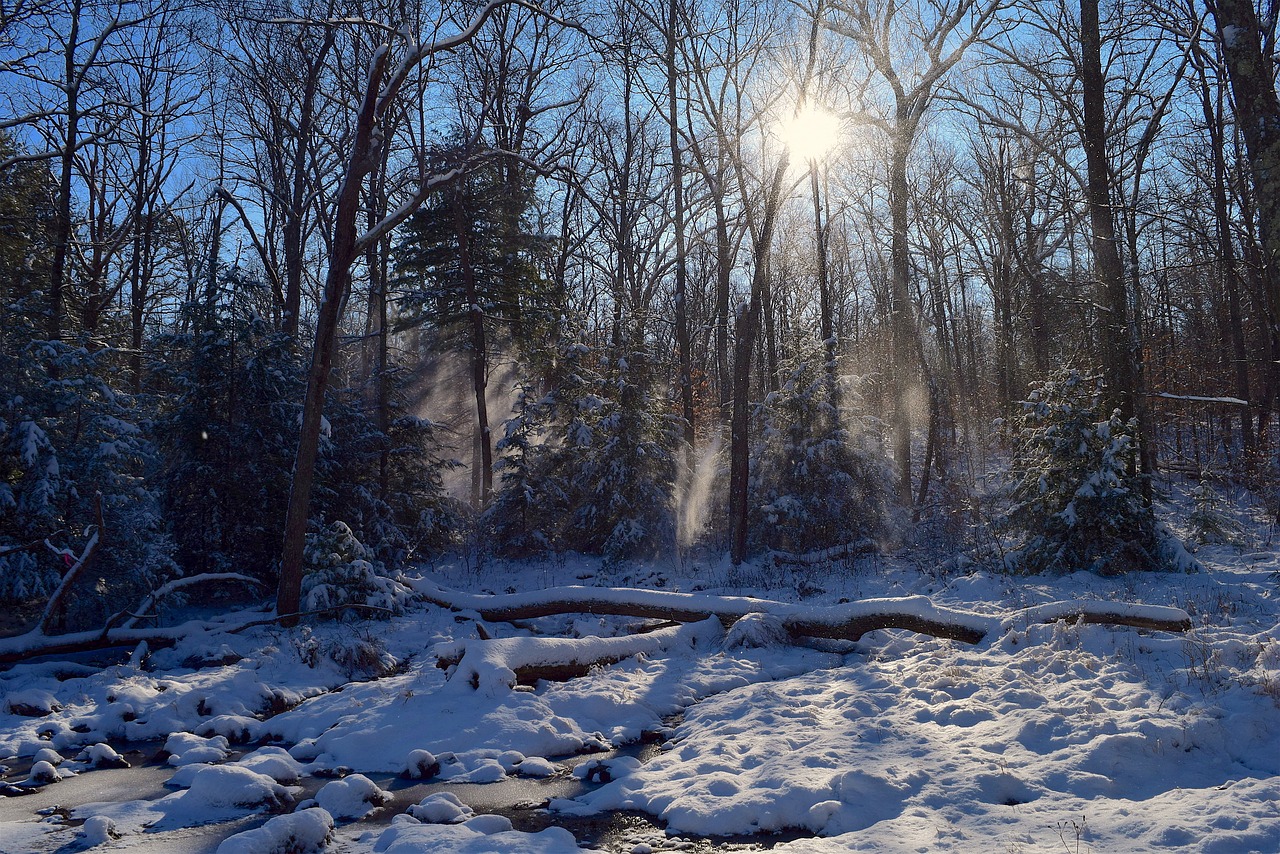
x=912, y=46
x=1257, y=109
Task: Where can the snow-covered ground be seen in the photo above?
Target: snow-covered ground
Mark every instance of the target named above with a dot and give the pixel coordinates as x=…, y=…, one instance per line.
x=1044, y=737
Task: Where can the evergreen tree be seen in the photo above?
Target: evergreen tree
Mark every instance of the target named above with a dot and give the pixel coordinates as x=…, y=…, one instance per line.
x=522, y=519
x=625, y=471
x=1077, y=502
x=229, y=433
x=67, y=434
x=504, y=254
x=589, y=466
x=819, y=479
x=409, y=514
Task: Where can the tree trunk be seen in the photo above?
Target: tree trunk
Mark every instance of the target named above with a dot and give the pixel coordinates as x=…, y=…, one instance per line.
x=1113, y=322
x=342, y=254
x=826, y=324
x=1257, y=109
x=482, y=458
x=683, y=356
x=62, y=223
x=848, y=621
x=724, y=268
x=903, y=319
x=740, y=423
x=295, y=215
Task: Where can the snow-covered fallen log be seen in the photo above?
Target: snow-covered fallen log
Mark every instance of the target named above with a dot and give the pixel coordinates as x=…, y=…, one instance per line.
x=500, y=664
x=613, y=601
x=39, y=642
x=849, y=621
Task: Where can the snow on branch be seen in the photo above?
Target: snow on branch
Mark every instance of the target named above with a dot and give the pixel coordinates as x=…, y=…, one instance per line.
x=1196, y=398
x=177, y=584
x=75, y=567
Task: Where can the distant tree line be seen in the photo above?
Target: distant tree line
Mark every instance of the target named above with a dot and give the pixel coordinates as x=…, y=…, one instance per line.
x=522, y=279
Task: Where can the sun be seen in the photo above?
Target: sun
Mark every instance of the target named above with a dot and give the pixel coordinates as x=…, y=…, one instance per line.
x=810, y=134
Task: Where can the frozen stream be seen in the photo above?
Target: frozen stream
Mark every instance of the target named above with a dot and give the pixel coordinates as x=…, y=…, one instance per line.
x=520, y=799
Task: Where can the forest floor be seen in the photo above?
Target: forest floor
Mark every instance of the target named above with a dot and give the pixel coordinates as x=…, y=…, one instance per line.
x=1043, y=738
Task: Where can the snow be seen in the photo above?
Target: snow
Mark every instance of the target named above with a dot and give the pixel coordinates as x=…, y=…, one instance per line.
x=186, y=748
x=441, y=808
x=1137, y=739
x=99, y=755
x=221, y=786
x=488, y=834
x=43, y=772
x=353, y=797
x=304, y=832
x=97, y=830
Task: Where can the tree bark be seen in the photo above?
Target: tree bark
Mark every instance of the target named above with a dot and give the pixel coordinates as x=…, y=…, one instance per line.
x=849, y=621
x=1257, y=109
x=482, y=457
x=342, y=254
x=902, y=323
x=683, y=356
x=1113, y=301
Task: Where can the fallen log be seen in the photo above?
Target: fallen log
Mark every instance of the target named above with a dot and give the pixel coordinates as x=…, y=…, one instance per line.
x=849, y=621
x=501, y=663
x=845, y=550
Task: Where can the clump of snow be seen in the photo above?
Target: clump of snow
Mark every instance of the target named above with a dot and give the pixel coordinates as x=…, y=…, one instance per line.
x=185, y=748
x=273, y=761
x=605, y=770
x=536, y=766
x=48, y=754
x=488, y=824
x=237, y=729
x=222, y=786
x=352, y=797
x=44, y=773
x=102, y=755
x=483, y=769
x=756, y=630
x=307, y=831
x=420, y=765
x=31, y=703
x=488, y=833
x=441, y=808
x=97, y=830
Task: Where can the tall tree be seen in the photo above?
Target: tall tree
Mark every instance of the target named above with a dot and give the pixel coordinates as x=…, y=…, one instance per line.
x=912, y=46
x=1257, y=109
x=374, y=127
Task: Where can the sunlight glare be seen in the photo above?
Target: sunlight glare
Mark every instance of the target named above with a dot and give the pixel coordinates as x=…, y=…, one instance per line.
x=810, y=134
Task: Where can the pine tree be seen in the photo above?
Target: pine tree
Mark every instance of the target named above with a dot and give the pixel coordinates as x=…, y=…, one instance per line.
x=229, y=432
x=589, y=466
x=1077, y=503
x=820, y=479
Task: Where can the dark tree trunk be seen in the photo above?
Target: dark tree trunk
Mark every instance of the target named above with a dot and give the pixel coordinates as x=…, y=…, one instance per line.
x=482, y=458
x=342, y=254
x=902, y=317
x=62, y=222
x=748, y=327
x=295, y=215
x=1257, y=108
x=826, y=324
x=683, y=356
x=1113, y=320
